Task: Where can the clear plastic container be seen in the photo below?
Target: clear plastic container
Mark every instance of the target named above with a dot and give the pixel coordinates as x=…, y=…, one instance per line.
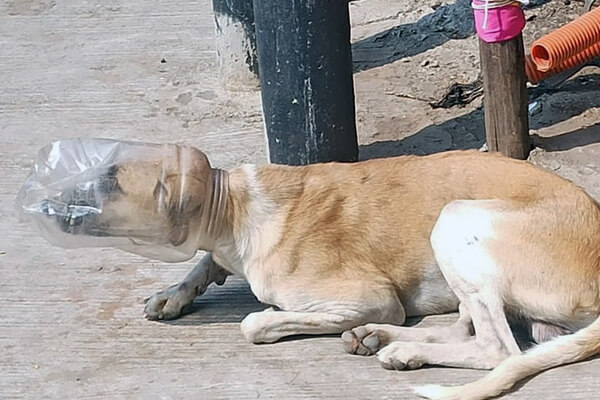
x=161, y=201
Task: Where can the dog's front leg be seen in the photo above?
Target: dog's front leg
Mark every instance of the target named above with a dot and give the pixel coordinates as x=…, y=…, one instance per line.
x=269, y=326
x=168, y=303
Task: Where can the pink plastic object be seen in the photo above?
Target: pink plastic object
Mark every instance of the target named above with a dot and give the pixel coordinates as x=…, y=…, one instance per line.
x=503, y=23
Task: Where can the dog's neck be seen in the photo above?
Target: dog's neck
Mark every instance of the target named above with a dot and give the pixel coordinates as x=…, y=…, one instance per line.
x=215, y=209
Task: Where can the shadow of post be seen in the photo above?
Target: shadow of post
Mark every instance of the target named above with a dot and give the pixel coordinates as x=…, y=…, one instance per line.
x=570, y=140
x=460, y=133
x=447, y=22
x=468, y=131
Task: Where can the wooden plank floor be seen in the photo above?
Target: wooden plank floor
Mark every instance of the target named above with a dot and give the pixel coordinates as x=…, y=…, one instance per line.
x=71, y=324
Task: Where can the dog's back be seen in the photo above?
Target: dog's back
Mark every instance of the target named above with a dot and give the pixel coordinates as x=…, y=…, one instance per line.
x=383, y=211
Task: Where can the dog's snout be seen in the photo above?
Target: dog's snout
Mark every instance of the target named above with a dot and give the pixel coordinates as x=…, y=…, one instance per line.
x=83, y=203
x=77, y=216
x=71, y=217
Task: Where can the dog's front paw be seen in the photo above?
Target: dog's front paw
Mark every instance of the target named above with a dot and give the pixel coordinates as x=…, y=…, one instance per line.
x=168, y=304
x=400, y=355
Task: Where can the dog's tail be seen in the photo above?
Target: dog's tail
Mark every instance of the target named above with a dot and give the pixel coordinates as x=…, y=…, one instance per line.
x=566, y=349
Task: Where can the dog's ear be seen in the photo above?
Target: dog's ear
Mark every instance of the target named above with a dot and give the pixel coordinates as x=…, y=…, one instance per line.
x=182, y=194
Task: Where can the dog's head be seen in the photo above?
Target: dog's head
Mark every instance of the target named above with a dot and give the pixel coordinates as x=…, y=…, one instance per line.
x=152, y=200
x=156, y=198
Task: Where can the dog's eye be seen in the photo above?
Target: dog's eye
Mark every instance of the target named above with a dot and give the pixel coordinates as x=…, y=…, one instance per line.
x=109, y=183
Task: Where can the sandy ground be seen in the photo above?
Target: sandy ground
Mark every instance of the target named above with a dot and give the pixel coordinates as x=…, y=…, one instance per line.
x=71, y=322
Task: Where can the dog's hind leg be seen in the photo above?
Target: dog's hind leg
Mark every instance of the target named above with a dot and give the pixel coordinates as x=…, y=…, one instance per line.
x=407, y=355
x=168, y=303
x=369, y=339
x=543, y=332
x=459, y=241
x=483, y=351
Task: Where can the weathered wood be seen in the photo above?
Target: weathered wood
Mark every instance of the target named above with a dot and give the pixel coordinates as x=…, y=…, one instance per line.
x=505, y=97
x=305, y=65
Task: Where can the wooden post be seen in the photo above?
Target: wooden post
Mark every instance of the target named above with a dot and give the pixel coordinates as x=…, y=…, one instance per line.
x=505, y=97
x=305, y=65
x=235, y=42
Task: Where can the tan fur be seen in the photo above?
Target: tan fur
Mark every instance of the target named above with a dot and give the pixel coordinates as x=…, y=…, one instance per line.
x=335, y=246
x=350, y=220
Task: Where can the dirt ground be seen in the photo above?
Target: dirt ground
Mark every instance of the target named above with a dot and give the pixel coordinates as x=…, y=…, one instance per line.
x=71, y=322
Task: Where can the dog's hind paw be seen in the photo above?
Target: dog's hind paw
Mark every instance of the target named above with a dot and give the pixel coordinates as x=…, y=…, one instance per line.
x=169, y=303
x=400, y=356
x=364, y=340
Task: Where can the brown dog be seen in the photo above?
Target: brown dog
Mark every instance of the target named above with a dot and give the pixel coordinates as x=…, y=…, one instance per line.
x=359, y=247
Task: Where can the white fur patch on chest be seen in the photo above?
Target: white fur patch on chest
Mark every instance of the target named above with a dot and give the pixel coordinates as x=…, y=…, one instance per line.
x=259, y=234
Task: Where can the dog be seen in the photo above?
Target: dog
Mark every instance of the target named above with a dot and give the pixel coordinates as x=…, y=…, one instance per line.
x=356, y=248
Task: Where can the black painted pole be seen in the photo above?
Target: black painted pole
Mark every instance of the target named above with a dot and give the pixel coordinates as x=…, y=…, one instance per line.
x=236, y=44
x=305, y=65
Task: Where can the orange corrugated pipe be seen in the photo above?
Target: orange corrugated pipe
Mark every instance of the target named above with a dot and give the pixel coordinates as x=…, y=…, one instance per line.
x=564, y=43
x=534, y=75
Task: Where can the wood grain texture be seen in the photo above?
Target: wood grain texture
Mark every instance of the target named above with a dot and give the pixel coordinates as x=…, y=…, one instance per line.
x=505, y=97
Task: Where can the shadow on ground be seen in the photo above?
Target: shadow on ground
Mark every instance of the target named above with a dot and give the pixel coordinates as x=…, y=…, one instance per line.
x=447, y=22
x=229, y=303
x=570, y=140
x=468, y=131
x=461, y=133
